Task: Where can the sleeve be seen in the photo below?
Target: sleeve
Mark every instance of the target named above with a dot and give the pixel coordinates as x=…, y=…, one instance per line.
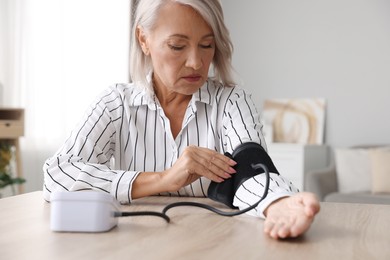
x=242, y=124
x=241, y=120
x=83, y=162
x=252, y=189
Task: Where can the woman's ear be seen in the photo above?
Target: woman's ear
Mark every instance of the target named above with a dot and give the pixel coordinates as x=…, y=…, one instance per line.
x=141, y=36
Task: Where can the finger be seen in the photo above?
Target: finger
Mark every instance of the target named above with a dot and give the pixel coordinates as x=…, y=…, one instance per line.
x=311, y=204
x=200, y=166
x=312, y=210
x=209, y=163
x=284, y=230
x=210, y=172
x=300, y=226
x=218, y=157
x=272, y=228
x=212, y=158
x=194, y=164
x=212, y=169
x=275, y=231
x=268, y=226
x=204, y=171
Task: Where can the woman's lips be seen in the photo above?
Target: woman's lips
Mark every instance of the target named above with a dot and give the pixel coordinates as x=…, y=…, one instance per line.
x=192, y=78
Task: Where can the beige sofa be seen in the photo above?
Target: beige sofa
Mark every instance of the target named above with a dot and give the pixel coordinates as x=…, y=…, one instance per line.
x=326, y=182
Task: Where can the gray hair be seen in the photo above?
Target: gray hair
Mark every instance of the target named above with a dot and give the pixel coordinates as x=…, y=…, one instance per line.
x=145, y=14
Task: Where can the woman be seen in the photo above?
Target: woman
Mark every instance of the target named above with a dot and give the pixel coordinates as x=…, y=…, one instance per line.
x=166, y=132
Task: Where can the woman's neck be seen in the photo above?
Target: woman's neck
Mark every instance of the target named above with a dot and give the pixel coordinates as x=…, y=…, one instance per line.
x=174, y=105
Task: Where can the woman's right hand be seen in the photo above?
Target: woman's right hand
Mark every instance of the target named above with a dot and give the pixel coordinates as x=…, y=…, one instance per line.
x=195, y=162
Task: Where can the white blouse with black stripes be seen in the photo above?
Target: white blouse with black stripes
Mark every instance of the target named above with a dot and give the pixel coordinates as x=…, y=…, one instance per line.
x=126, y=132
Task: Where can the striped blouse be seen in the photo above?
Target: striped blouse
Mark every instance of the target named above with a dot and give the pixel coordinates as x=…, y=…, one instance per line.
x=126, y=132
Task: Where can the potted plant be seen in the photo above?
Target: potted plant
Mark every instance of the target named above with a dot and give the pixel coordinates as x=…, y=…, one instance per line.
x=6, y=177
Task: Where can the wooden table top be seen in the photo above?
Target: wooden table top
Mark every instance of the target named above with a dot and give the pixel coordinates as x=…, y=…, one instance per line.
x=340, y=231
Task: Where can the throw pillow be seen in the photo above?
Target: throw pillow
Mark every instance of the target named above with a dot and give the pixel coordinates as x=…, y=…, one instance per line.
x=353, y=168
x=380, y=163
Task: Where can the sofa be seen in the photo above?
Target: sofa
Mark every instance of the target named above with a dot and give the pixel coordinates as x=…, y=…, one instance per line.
x=359, y=174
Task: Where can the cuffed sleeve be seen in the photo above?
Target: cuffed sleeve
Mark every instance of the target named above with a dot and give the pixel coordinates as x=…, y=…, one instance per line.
x=252, y=190
x=121, y=186
x=84, y=160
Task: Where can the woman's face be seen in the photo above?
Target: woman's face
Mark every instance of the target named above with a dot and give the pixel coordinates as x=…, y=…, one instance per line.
x=181, y=46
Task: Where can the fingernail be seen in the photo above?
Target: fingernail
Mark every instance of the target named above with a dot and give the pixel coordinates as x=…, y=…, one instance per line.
x=232, y=170
x=232, y=162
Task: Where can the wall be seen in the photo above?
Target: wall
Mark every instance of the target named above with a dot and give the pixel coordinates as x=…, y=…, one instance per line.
x=336, y=49
x=60, y=55
x=3, y=46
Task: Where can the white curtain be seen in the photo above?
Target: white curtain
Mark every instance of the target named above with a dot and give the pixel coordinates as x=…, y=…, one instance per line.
x=60, y=55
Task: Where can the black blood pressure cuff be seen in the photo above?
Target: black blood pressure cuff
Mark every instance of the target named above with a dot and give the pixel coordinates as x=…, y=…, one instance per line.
x=246, y=155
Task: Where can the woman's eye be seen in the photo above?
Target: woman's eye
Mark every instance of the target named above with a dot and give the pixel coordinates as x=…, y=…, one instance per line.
x=206, y=46
x=176, y=47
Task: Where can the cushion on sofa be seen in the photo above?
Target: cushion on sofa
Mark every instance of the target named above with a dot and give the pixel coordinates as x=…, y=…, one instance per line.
x=353, y=168
x=380, y=164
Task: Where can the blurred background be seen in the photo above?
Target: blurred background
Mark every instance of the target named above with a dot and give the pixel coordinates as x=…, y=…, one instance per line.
x=57, y=55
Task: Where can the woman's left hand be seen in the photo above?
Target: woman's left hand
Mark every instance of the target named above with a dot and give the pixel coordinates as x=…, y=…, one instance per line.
x=291, y=216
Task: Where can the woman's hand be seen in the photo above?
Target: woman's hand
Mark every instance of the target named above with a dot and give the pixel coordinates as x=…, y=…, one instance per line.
x=291, y=216
x=196, y=162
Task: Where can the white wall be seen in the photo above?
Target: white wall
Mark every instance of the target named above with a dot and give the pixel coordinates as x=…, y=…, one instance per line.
x=60, y=55
x=336, y=49
x=3, y=46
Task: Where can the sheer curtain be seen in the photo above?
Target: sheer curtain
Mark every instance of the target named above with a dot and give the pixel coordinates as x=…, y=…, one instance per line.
x=63, y=53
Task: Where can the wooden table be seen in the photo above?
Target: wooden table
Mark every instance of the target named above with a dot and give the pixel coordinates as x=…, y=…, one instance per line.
x=341, y=231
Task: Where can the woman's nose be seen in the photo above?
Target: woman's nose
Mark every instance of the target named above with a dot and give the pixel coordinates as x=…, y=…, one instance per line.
x=194, y=60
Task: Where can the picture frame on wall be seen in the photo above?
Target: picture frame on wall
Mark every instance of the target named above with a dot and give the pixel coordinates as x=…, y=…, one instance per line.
x=298, y=120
